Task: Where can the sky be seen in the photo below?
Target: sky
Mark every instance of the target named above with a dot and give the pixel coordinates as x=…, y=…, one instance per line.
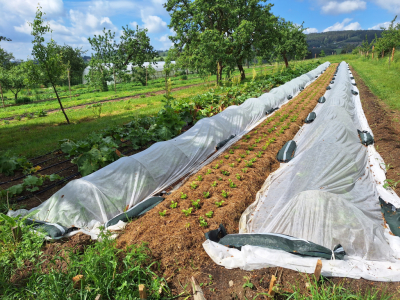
x=73, y=21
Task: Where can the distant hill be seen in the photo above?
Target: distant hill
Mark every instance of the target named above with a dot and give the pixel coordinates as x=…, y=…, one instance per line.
x=336, y=41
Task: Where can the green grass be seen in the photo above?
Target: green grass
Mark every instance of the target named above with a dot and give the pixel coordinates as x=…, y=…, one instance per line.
x=383, y=81
x=41, y=135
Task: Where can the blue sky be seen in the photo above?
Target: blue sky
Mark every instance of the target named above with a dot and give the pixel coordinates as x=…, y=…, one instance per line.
x=73, y=21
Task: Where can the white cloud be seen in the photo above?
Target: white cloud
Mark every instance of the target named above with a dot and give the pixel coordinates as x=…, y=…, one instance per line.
x=310, y=30
x=380, y=25
x=345, y=25
x=154, y=23
x=392, y=6
x=166, y=42
x=336, y=8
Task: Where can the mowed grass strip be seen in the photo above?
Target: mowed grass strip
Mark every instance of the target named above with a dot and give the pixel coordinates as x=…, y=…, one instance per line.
x=40, y=135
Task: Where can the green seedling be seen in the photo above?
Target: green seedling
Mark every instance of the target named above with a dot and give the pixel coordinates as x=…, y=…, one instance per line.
x=231, y=151
x=216, y=166
x=256, y=131
x=209, y=214
x=196, y=203
x=193, y=185
x=248, y=136
x=260, y=153
x=258, y=140
x=226, y=173
x=244, y=170
x=226, y=156
x=162, y=213
x=248, y=163
x=251, y=148
x=187, y=225
x=236, y=147
x=238, y=160
x=242, y=155
x=173, y=204
x=221, y=162
x=232, y=165
x=247, y=152
x=224, y=194
x=220, y=178
x=199, y=178
x=188, y=211
x=208, y=172
x=214, y=184
x=207, y=194
x=265, y=147
x=253, y=160
x=238, y=177
x=183, y=196
x=219, y=204
x=232, y=184
x=247, y=283
x=203, y=222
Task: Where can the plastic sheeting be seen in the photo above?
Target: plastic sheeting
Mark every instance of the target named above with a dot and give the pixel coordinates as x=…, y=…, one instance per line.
x=98, y=197
x=328, y=194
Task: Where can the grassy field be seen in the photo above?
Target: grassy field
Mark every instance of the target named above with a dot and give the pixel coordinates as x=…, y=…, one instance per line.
x=384, y=81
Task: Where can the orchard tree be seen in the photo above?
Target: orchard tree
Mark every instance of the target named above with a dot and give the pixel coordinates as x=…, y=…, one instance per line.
x=103, y=61
x=3, y=83
x=390, y=38
x=74, y=62
x=16, y=79
x=135, y=48
x=5, y=63
x=50, y=66
x=322, y=53
x=290, y=41
x=220, y=34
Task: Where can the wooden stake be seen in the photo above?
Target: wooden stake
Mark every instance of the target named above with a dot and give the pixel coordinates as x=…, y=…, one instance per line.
x=373, y=49
x=98, y=297
x=142, y=291
x=318, y=268
x=393, y=54
x=77, y=281
x=271, y=291
x=197, y=291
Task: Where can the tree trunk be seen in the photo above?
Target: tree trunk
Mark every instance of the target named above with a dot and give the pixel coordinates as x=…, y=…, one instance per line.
x=383, y=53
x=115, y=82
x=242, y=74
x=16, y=97
x=217, y=72
x=2, y=98
x=59, y=102
x=69, y=84
x=285, y=59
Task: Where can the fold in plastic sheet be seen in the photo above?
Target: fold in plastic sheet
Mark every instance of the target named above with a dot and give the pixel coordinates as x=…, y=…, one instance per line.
x=328, y=194
x=94, y=199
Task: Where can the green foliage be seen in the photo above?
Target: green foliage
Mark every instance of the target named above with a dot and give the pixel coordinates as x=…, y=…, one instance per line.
x=11, y=163
x=173, y=204
x=162, y=213
x=196, y=203
x=224, y=194
x=183, y=196
x=219, y=204
x=206, y=194
x=209, y=214
x=202, y=222
x=188, y=211
x=193, y=185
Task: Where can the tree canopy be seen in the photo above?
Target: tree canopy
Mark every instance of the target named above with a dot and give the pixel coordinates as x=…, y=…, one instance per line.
x=218, y=34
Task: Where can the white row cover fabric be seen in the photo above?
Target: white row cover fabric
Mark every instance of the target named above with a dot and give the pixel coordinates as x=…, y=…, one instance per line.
x=104, y=194
x=327, y=194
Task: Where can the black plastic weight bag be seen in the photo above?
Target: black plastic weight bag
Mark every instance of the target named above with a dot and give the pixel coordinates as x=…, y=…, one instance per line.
x=287, y=152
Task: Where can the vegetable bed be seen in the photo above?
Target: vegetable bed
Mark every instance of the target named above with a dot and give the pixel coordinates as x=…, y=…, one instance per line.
x=220, y=191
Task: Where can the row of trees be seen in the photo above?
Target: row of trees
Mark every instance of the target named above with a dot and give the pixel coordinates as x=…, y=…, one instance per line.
x=386, y=44
x=210, y=37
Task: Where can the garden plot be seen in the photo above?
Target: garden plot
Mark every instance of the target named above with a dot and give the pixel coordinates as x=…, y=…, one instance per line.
x=93, y=200
x=333, y=200
x=221, y=190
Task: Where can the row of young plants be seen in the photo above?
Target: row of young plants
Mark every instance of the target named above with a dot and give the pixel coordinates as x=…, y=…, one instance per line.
x=101, y=148
x=235, y=163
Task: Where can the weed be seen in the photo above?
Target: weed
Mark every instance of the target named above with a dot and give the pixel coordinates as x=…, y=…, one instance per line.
x=390, y=183
x=247, y=283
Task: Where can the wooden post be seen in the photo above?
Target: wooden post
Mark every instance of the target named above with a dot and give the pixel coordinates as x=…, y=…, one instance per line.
x=315, y=55
x=146, y=74
x=393, y=54
x=373, y=49
x=2, y=98
x=271, y=291
x=318, y=268
x=142, y=291
x=115, y=82
x=383, y=53
x=69, y=84
x=197, y=291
